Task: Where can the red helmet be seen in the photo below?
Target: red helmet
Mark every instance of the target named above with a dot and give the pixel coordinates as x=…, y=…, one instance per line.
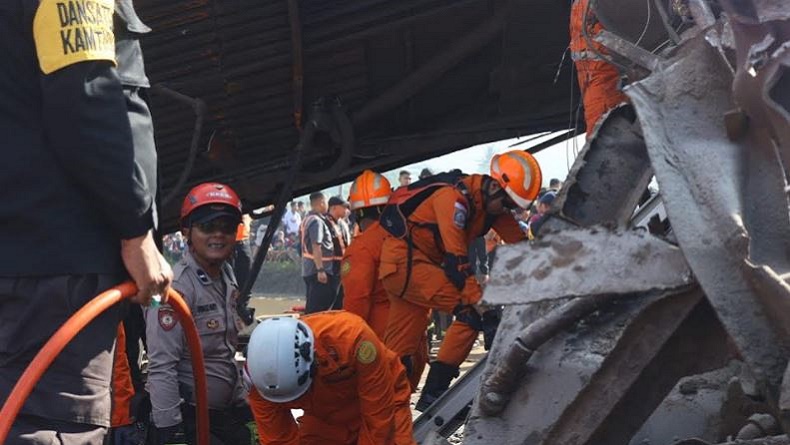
x=209, y=193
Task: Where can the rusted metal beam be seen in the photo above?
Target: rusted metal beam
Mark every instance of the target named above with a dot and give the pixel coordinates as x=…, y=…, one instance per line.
x=708, y=182
x=603, y=187
x=498, y=388
x=617, y=402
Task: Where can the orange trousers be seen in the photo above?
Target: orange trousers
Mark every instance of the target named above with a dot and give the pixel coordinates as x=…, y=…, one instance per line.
x=409, y=315
x=598, y=83
x=122, y=387
x=457, y=343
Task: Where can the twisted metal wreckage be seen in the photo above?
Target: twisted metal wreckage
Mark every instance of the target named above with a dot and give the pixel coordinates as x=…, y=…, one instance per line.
x=619, y=331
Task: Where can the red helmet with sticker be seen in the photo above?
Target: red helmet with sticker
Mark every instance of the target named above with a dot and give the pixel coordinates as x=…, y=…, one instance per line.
x=209, y=193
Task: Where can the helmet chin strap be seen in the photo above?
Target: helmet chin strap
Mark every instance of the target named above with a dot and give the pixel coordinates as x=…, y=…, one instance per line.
x=486, y=194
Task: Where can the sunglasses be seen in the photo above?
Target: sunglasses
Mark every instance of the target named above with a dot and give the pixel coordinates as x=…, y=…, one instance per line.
x=227, y=226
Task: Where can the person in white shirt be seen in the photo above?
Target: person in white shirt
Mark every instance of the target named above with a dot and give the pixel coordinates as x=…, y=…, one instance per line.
x=292, y=220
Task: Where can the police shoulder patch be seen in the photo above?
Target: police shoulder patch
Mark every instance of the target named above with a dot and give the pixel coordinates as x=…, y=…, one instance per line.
x=345, y=268
x=72, y=31
x=366, y=352
x=167, y=318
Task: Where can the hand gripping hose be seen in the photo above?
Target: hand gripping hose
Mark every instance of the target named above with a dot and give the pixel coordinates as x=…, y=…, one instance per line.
x=77, y=322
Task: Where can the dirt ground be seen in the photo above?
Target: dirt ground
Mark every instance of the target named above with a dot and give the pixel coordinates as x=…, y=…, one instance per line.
x=273, y=305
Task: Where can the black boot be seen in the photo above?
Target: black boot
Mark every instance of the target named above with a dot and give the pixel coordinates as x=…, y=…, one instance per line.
x=439, y=378
x=490, y=323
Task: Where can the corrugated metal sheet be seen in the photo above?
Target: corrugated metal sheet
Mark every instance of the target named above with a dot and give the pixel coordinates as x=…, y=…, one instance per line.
x=236, y=55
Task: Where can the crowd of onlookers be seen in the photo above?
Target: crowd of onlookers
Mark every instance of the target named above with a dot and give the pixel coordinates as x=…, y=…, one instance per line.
x=174, y=246
x=286, y=244
x=286, y=237
x=532, y=219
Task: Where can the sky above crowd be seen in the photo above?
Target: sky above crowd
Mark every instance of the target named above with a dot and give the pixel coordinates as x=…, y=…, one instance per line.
x=555, y=161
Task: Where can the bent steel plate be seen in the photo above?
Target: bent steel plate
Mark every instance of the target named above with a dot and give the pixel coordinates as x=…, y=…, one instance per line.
x=585, y=261
x=704, y=183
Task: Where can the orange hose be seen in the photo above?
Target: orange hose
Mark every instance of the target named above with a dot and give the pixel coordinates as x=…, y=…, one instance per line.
x=77, y=322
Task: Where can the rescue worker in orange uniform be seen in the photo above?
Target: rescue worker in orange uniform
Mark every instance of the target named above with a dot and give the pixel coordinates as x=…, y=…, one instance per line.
x=364, y=294
x=359, y=271
x=598, y=79
x=353, y=390
x=429, y=268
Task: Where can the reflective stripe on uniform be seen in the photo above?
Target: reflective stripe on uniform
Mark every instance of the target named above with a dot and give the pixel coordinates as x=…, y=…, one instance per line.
x=308, y=252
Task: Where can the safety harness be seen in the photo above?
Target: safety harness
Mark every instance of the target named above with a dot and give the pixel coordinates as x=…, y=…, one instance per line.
x=405, y=200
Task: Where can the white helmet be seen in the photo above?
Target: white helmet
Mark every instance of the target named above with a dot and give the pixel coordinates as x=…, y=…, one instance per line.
x=281, y=358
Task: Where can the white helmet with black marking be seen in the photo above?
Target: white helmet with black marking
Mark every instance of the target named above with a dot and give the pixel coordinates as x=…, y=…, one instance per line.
x=281, y=359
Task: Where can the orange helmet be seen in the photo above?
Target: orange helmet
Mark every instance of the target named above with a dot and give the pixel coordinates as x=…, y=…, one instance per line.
x=211, y=193
x=519, y=175
x=368, y=190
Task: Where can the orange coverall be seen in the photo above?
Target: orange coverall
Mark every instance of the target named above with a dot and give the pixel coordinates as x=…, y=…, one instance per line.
x=598, y=79
x=362, y=291
x=429, y=287
x=122, y=387
x=356, y=398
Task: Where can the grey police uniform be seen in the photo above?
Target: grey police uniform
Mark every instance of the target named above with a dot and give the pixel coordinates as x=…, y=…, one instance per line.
x=213, y=306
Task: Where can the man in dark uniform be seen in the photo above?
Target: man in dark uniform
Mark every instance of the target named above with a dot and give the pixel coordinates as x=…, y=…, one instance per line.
x=77, y=174
x=128, y=28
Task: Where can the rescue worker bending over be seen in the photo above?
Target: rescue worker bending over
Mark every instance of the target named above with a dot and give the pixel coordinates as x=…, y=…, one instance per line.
x=428, y=267
x=210, y=216
x=353, y=390
x=359, y=271
x=598, y=79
